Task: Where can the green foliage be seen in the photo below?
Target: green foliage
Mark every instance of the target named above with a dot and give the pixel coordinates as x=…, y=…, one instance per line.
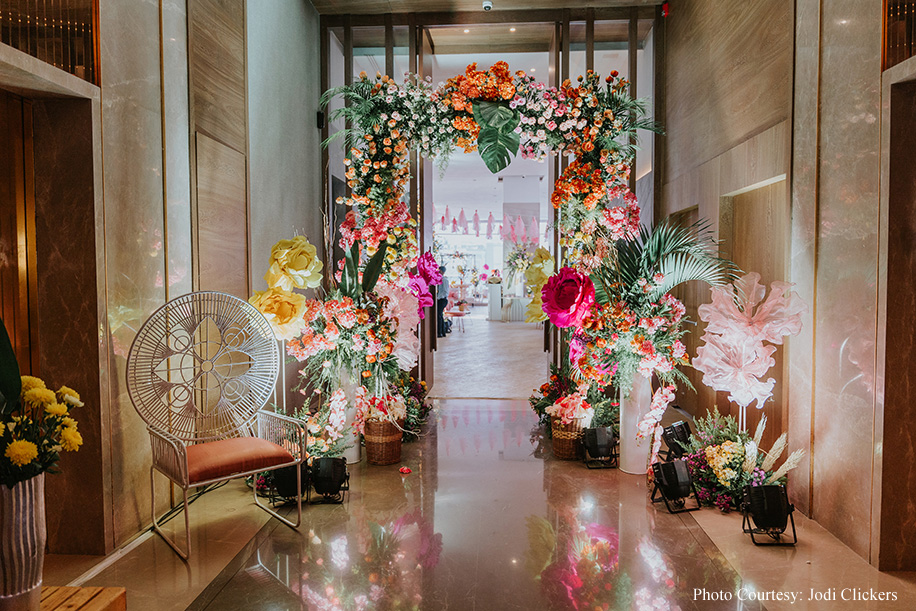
x=10, y=382
x=374, y=268
x=607, y=408
x=497, y=142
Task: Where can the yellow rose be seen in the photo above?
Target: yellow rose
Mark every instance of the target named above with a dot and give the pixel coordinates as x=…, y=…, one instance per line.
x=39, y=396
x=30, y=382
x=282, y=309
x=535, y=313
x=70, y=439
x=535, y=276
x=21, y=452
x=294, y=264
x=69, y=396
x=56, y=409
x=543, y=259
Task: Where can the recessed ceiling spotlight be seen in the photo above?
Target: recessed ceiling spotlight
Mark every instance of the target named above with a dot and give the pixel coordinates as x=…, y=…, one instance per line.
x=532, y=69
x=511, y=29
x=466, y=31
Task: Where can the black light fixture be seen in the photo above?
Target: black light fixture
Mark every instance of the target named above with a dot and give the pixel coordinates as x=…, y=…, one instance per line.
x=600, y=447
x=770, y=511
x=284, y=482
x=672, y=435
x=330, y=479
x=674, y=484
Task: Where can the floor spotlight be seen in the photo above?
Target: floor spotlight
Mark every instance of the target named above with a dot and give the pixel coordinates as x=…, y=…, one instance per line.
x=674, y=484
x=330, y=479
x=677, y=432
x=600, y=448
x=770, y=511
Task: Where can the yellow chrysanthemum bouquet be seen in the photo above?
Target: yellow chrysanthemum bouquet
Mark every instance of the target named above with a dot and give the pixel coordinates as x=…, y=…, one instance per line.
x=35, y=426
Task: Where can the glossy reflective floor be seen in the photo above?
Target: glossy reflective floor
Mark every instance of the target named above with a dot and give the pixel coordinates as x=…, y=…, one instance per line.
x=486, y=520
x=493, y=359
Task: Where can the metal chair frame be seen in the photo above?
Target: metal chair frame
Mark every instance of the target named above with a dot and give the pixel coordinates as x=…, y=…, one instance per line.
x=238, y=411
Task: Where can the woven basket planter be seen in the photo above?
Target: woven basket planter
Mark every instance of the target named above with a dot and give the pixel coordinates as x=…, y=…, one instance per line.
x=567, y=439
x=383, y=442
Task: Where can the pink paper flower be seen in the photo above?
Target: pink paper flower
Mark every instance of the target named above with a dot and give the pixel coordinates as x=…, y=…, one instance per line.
x=420, y=289
x=429, y=269
x=567, y=297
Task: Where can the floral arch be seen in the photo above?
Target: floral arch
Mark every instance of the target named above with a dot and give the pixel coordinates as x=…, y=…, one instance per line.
x=611, y=296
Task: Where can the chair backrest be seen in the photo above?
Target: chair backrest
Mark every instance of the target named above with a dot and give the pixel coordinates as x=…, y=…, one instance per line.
x=202, y=366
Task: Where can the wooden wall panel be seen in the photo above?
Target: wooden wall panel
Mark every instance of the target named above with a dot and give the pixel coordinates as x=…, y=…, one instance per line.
x=728, y=76
x=759, y=242
x=217, y=65
x=223, y=218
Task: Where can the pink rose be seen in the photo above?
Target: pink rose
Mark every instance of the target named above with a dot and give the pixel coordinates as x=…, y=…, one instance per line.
x=429, y=269
x=567, y=297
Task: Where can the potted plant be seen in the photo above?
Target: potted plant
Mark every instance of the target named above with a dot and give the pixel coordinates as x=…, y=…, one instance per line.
x=35, y=427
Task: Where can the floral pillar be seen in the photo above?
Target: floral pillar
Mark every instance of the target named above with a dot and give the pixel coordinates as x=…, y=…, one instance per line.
x=634, y=453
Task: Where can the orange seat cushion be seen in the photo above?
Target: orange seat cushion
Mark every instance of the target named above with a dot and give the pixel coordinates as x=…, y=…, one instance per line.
x=226, y=457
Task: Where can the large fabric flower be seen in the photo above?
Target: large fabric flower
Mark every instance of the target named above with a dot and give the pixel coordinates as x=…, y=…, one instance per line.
x=535, y=311
x=567, y=297
x=282, y=309
x=402, y=306
x=419, y=287
x=429, y=269
x=294, y=264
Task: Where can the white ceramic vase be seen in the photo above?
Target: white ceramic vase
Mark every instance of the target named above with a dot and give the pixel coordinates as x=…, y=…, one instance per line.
x=22, y=544
x=347, y=382
x=634, y=455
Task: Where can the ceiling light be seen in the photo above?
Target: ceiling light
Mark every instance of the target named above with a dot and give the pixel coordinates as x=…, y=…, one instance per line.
x=466, y=31
x=511, y=29
x=532, y=69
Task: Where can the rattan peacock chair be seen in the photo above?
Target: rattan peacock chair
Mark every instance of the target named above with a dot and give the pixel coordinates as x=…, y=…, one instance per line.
x=199, y=373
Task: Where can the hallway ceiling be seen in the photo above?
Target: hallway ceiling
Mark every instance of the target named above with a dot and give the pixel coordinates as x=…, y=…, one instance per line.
x=366, y=7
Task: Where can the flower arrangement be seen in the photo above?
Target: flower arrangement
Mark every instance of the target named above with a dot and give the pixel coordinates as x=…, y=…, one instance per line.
x=417, y=409
x=390, y=408
x=37, y=426
x=517, y=262
x=572, y=408
x=722, y=460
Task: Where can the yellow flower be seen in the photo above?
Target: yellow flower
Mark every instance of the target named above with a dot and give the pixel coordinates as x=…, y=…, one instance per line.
x=70, y=439
x=535, y=276
x=282, y=309
x=535, y=313
x=30, y=382
x=69, y=396
x=294, y=264
x=2, y=429
x=68, y=423
x=56, y=409
x=39, y=396
x=21, y=452
x=543, y=259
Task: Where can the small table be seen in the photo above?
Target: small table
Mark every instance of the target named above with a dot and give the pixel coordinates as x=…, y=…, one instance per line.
x=86, y=599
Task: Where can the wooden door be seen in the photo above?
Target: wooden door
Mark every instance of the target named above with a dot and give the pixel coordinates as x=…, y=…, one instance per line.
x=17, y=230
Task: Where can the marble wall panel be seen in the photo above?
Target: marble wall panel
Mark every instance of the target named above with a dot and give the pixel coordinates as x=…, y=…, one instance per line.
x=804, y=241
x=78, y=500
x=177, y=147
x=847, y=249
x=134, y=240
x=284, y=155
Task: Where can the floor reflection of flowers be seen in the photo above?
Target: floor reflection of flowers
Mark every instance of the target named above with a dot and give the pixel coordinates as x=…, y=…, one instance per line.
x=383, y=572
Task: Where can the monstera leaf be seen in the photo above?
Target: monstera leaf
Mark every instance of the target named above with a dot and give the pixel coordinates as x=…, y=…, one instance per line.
x=497, y=142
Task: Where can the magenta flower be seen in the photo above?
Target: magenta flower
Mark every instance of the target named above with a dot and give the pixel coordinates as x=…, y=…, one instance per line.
x=567, y=297
x=420, y=289
x=429, y=269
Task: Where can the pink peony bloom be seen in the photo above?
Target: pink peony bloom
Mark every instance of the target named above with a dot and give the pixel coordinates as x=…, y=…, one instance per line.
x=567, y=297
x=429, y=269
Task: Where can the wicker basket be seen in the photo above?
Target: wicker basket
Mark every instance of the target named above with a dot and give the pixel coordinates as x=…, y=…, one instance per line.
x=567, y=439
x=383, y=442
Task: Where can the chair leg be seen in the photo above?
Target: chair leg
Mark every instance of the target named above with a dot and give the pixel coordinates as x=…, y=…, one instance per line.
x=158, y=531
x=298, y=502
